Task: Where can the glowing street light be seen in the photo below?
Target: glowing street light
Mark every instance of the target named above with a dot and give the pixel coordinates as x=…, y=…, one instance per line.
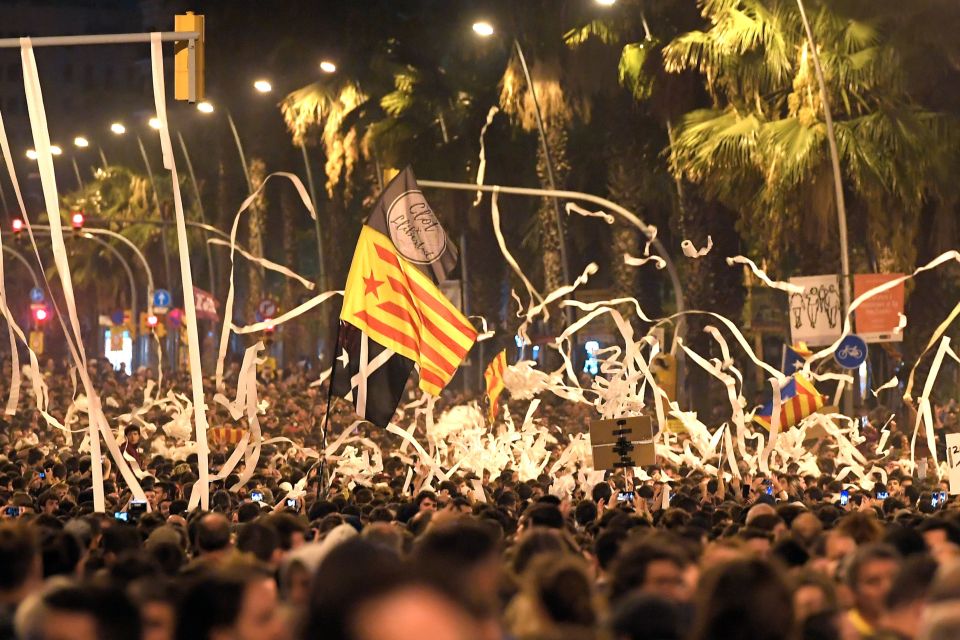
x=327, y=67
x=31, y=154
x=154, y=123
x=118, y=128
x=55, y=150
x=81, y=142
x=606, y=3
x=263, y=86
x=483, y=29
x=204, y=107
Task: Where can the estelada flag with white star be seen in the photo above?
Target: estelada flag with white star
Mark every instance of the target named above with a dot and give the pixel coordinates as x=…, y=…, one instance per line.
x=394, y=316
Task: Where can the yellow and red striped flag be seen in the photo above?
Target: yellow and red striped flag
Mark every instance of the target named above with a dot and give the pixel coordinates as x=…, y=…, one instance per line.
x=394, y=316
x=493, y=376
x=798, y=399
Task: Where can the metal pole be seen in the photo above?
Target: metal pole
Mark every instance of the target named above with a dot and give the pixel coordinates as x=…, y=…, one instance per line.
x=586, y=197
x=549, y=164
x=103, y=157
x=156, y=199
x=111, y=38
x=837, y=186
x=203, y=217
x=133, y=292
x=243, y=158
x=20, y=257
x=76, y=171
x=316, y=222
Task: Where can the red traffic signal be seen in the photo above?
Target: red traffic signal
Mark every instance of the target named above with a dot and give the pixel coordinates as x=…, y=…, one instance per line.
x=40, y=314
x=151, y=321
x=17, y=225
x=76, y=219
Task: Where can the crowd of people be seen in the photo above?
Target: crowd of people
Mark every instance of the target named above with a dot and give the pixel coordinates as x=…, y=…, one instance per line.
x=669, y=553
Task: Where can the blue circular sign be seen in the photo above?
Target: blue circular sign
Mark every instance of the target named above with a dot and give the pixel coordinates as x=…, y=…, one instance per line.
x=117, y=317
x=37, y=296
x=161, y=298
x=851, y=352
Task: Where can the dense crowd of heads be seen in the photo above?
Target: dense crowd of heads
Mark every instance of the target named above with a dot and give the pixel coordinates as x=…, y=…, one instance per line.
x=680, y=554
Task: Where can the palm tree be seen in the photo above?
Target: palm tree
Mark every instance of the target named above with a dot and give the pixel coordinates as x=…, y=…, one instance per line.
x=760, y=148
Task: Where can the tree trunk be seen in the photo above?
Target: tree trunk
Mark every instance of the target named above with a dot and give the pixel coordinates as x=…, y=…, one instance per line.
x=546, y=214
x=256, y=224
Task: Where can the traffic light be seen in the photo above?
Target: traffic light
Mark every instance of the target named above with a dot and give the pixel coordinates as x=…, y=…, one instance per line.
x=76, y=220
x=17, y=227
x=186, y=85
x=40, y=314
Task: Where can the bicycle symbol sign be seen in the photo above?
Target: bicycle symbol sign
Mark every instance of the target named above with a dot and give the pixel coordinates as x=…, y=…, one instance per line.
x=851, y=352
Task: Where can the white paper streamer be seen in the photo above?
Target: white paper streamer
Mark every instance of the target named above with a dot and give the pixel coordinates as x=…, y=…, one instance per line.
x=186, y=274
x=482, y=164
x=267, y=264
x=692, y=252
x=759, y=273
x=573, y=207
x=657, y=261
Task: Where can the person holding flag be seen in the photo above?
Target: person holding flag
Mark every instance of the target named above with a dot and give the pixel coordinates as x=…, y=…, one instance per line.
x=394, y=317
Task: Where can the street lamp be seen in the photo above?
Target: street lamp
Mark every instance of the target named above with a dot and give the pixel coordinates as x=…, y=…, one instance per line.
x=327, y=67
x=483, y=29
x=263, y=86
x=606, y=3
x=31, y=154
x=204, y=107
x=118, y=128
x=81, y=142
x=154, y=123
x=55, y=150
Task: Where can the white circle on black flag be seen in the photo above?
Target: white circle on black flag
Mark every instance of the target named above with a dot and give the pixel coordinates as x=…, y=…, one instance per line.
x=414, y=229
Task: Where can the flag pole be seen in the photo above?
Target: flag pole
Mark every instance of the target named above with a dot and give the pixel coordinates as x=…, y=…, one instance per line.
x=326, y=421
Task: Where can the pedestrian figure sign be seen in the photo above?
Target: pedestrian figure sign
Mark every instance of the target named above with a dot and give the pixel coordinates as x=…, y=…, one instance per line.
x=815, y=314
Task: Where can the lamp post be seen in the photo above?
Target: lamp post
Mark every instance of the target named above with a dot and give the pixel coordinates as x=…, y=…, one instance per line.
x=485, y=30
x=845, y=274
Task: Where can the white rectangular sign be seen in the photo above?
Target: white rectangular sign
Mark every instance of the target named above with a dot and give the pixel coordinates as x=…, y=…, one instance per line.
x=953, y=462
x=815, y=315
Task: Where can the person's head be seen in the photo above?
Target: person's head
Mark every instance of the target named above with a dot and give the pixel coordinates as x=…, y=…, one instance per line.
x=813, y=594
x=869, y=575
x=157, y=600
x=938, y=532
x=212, y=533
x=235, y=602
x=562, y=590
x=260, y=539
x=132, y=434
x=907, y=596
x=465, y=549
x=87, y=612
x=649, y=567
x=744, y=599
x=364, y=592
x=426, y=501
x=21, y=568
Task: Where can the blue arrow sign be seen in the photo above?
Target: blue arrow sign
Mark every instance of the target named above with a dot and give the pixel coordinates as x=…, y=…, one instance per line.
x=851, y=352
x=161, y=298
x=37, y=296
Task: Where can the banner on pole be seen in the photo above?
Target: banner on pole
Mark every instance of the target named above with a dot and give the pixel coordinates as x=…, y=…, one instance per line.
x=815, y=314
x=206, y=305
x=877, y=318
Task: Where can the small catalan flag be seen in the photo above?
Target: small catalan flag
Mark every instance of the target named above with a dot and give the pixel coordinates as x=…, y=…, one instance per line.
x=798, y=399
x=493, y=376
